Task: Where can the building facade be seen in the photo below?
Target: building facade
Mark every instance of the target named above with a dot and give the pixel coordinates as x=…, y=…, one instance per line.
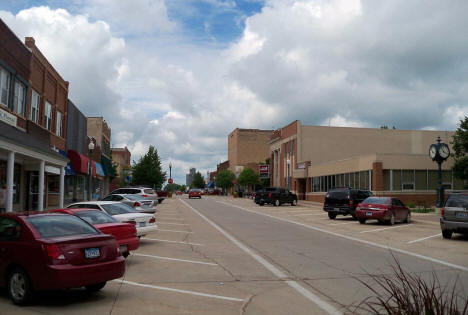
x=121, y=157
x=310, y=160
x=31, y=169
x=189, y=177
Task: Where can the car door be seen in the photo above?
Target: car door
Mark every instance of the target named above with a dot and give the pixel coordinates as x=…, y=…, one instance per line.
x=10, y=232
x=403, y=210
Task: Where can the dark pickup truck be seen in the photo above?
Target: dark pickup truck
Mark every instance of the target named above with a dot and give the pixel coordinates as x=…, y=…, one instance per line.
x=276, y=196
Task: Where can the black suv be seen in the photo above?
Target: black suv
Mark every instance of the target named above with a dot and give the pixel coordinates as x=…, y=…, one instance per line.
x=344, y=201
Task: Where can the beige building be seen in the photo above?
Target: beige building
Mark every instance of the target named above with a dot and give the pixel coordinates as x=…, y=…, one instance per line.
x=247, y=148
x=312, y=159
x=101, y=132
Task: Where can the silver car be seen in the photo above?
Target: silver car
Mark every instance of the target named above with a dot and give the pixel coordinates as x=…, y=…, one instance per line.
x=145, y=192
x=454, y=215
x=138, y=202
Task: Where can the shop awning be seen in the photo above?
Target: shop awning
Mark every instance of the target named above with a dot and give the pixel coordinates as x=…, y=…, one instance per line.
x=79, y=162
x=99, y=169
x=211, y=184
x=107, y=166
x=68, y=169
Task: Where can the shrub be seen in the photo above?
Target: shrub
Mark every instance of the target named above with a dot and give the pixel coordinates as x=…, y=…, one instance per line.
x=411, y=204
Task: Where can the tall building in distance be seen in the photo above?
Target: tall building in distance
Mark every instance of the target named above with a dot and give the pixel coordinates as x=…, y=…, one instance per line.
x=189, y=176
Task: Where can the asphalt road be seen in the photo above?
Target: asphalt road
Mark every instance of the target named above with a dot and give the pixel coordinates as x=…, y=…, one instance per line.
x=323, y=264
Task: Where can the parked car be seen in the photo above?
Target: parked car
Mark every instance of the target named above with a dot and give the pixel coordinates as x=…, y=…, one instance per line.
x=125, y=233
x=454, y=215
x=48, y=251
x=383, y=209
x=195, y=193
x=145, y=192
x=144, y=223
x=344, y=201
x=276, y=196
x=138, y=202
x=161, y=195
x=178, y=193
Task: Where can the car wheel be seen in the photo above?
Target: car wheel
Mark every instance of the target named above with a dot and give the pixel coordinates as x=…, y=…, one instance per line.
x=294, y=202
x=354, y=216
x=332, y=215
x=261, y=203
x=125, y=255
x=277, y=203
x=447, y=234
x=159, y=201
x=408, y=218
x=19, y=287
x=392, y=219
x=95, y=287
x=362, y=221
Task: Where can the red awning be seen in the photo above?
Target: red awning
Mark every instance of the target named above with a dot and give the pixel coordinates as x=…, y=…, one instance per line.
x=78, y=161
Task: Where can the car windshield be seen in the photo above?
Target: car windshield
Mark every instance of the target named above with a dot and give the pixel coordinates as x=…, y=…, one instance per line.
x=50, y=226
x=338, y=194
x=195, y=190
x=457, y=201
x=117, y=208
x=376, y=200
x=95, y=217
x=148, y=191
x=134, y=197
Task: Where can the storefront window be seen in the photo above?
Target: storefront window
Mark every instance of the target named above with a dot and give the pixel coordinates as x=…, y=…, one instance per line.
x=16, y=180
x=420, y=179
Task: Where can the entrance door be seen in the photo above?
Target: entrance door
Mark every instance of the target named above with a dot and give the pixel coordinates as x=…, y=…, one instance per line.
x=33, y=190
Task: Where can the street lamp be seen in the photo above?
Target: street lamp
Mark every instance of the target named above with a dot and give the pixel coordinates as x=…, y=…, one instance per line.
x=90, y=180
x=439, y=152
x=170, y=169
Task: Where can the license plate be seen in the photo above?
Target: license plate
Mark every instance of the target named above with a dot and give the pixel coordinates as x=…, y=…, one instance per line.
x=336, y=209
x=123, y=248
x=92, y=252
x=369, y=214
x=462, y=214
x=142, y=224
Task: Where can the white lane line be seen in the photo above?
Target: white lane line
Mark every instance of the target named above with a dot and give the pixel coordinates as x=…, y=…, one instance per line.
x=383, y=229
x=175, y=259
x=395, y=249
x=287, y=212
x=168, y=241
x=179, y=291
x=298, y=215
x=159, y=222
x=176, y=231
x=422, y=239
x=167, y=214
x=295, y=285
x=342, y=223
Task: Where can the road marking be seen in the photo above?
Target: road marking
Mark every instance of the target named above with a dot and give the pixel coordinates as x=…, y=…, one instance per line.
x=395, y=249
x=179, y=291
x=295, y=285
x=159, y=222
x=387, y=228
x=342, y=223
x=176, y=231
x=286, y=212
x=167, y=214
x=298, y=215
x=422, y=239
x=175, y=259
x=168, y=241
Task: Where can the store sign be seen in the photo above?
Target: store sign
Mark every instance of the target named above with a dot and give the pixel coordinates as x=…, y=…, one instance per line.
x=301, y=166
x=7, y=117
x=264, y=171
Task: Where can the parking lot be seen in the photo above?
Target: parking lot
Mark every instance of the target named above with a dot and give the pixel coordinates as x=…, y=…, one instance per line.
x=199, y=264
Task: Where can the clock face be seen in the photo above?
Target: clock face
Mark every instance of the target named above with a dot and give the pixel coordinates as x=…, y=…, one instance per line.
x=432, y=151
x=444, y=151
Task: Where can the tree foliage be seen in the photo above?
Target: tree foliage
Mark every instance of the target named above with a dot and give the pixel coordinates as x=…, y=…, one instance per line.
x=248, y=177
x=197, y=181
x=174, y=187
x=460, y=148
x=148, y=170
x=224, y=179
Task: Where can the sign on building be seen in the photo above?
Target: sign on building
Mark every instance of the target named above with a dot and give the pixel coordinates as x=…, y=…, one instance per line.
x=264, y=171
x=7, y=117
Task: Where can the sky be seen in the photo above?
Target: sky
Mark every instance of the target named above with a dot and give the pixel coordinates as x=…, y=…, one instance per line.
x=182, y=74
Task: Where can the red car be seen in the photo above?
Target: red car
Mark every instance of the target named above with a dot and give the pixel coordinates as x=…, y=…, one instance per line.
x=383, y=209
x=194, y=193
x=48, y=251
x=124, y=233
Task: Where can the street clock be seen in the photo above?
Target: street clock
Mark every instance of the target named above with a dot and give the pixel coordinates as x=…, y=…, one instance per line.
x=439, y=151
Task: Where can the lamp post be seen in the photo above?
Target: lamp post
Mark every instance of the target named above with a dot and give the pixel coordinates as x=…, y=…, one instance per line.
x=439, y=152
x=170, y=169
x=90, y=179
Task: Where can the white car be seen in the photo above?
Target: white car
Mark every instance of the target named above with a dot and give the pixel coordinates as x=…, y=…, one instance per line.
x=144, y=223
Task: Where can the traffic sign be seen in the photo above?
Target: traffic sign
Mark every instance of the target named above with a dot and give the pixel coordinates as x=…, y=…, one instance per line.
x=170, y=181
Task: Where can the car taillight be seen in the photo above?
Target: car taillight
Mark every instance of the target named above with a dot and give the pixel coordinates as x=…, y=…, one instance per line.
x=442, y=212
x=152, y=220
x=137, y=204
x=350, y=202
x=130, y=221
x=54, y=252
x=269, y=195
x=144, y=196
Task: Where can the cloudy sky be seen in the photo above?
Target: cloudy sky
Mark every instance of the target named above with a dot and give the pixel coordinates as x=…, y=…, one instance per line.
x=182, y=74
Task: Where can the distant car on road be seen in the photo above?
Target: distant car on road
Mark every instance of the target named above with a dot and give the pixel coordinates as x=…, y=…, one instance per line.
x=49, y=251
x=125, y=233
x=195, y=193
x=138, y=202
x=144, y=223
x=454, y=215
x=344, y=201
x=384, y=209
x=276, y=196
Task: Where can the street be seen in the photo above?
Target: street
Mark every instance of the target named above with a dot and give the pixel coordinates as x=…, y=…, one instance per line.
x=219, y=255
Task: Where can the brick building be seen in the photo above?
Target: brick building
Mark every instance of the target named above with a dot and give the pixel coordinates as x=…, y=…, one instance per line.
x=312, y=159
x=121, y=157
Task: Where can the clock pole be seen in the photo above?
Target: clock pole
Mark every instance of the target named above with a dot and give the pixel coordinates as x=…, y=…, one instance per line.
x=439, y=152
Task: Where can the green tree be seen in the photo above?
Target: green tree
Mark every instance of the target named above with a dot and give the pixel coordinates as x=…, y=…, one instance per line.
x=248, y=177
x=148, y=170
x=183, y=188
x=197, y=181
x=172, y=187
x=460, y=154
x=224, y=180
